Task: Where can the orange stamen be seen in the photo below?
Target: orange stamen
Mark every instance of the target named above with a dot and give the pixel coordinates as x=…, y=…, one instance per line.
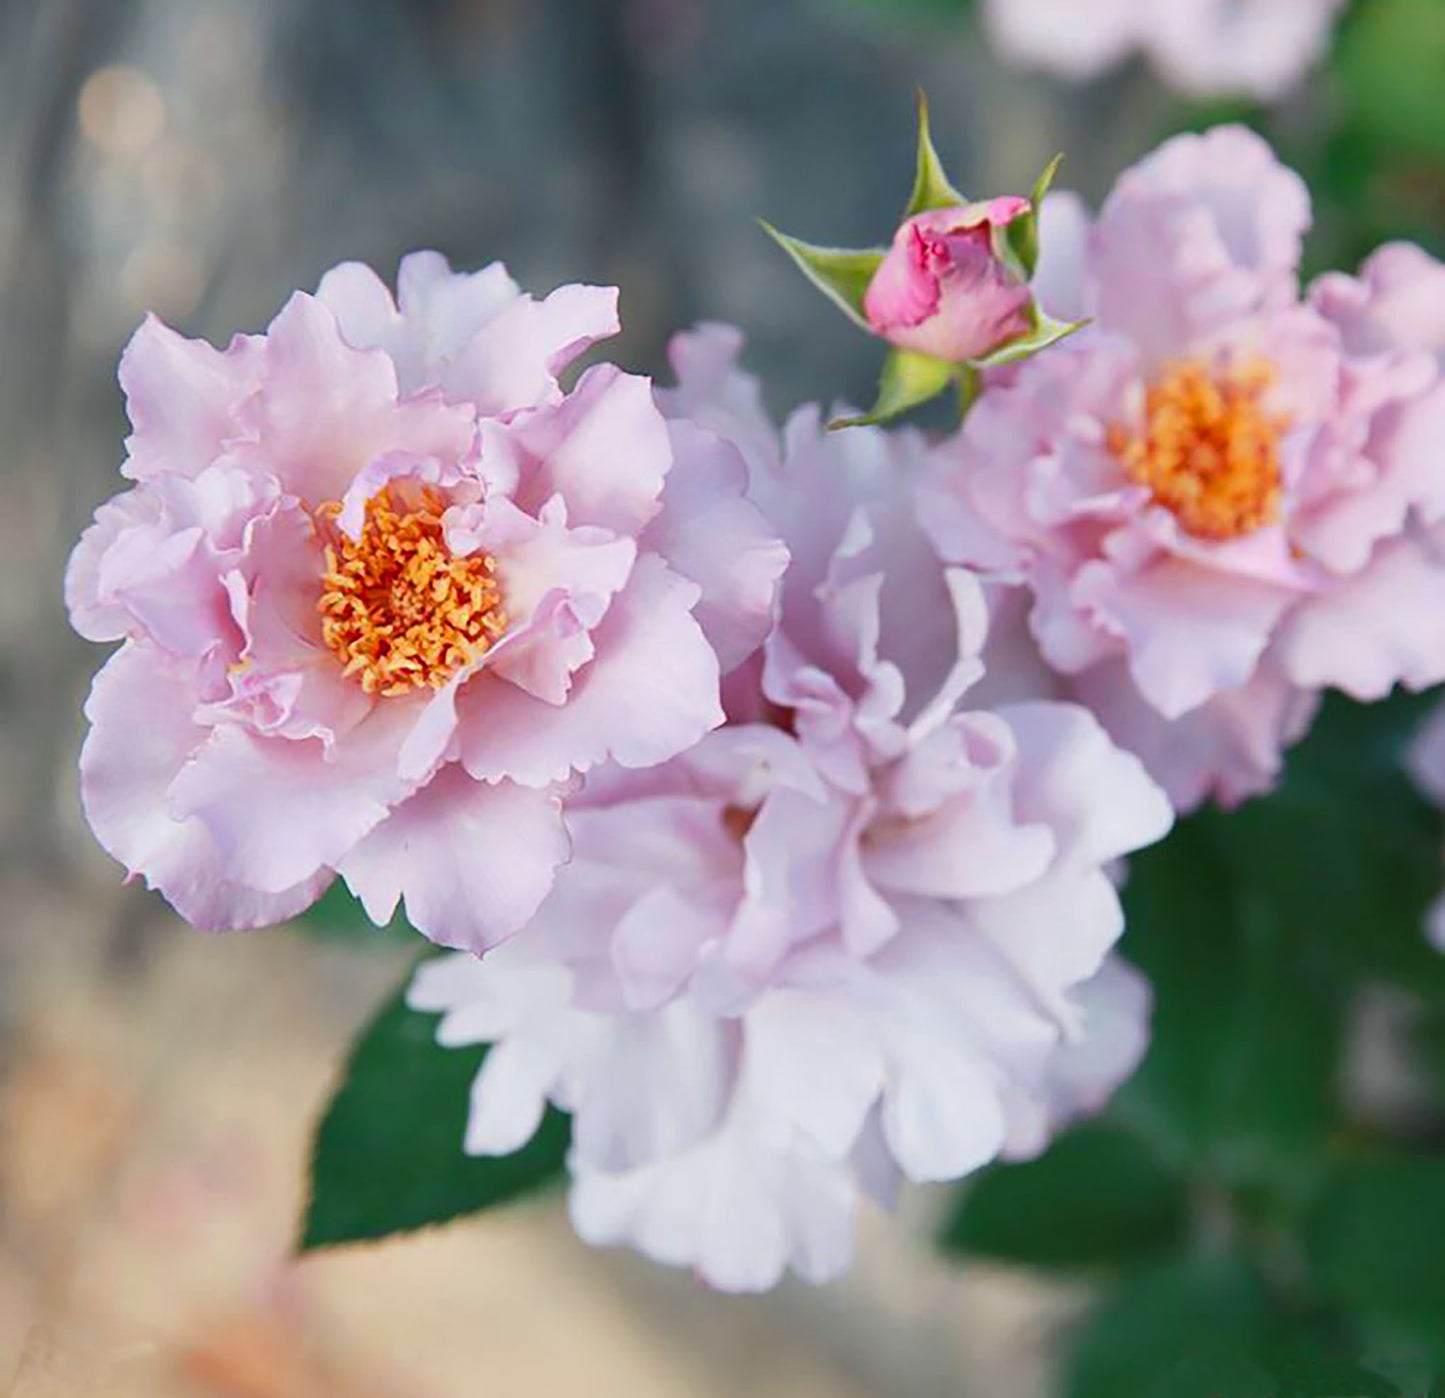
x=397, y=609
x=1209, y=449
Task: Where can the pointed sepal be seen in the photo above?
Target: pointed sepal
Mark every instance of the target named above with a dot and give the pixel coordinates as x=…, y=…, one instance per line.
x=908, y=379
x=932, y=189
x=1046, y=332
x=841, y=274
x=1022, y=235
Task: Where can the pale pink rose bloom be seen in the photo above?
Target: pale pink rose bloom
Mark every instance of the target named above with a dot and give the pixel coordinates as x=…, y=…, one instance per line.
x=944, y=291
x=386, y=591
x=859, y=935
x=1257, y=48
x=1218, y=495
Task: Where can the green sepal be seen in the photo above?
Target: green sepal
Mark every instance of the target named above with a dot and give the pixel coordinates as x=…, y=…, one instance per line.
x=1021, y=237
x=908, y=379
x=841, y=274
x=932, y=189
x=1046, y=332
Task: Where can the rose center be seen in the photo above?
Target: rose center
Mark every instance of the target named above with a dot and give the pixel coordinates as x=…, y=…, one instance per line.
x=1209, y=450
x=397, y=608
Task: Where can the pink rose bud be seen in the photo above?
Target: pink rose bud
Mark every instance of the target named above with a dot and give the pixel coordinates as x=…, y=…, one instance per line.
x=945, y=290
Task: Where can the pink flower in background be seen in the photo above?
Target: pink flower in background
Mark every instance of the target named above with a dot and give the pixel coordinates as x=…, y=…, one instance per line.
x=1218, y=495
x=860, y=934
x=385, y=590
x=1256, y=48
x=945, y=290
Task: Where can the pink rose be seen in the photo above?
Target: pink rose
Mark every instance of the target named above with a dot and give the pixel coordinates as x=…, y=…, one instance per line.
x=945, y=289
x=386, y=593
x=862, y=933
x=1222, y=495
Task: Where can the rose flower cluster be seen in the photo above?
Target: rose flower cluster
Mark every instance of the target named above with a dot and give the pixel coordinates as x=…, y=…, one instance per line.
x=770, y=784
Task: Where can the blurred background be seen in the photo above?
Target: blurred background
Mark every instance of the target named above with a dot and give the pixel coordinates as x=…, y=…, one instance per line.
x=202, y=158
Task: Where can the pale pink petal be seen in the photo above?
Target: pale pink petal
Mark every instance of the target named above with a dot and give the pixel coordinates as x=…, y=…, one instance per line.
x=1228, y=750
x=182, y=396
x=714, y=393
x=1061, y=279
x=513, y=360
x=96, y=616
x=557, y=584
x=1065, y=760
x=1258, y=209
x=1382, y=628
x=1192, y=632
x=472, y=859
x=710, y=533
x=278, y=809
x=650, y=693
x=126, y=770
x=1397, y=302
x=736, y=1210
x=329, y=409
x=604, y=449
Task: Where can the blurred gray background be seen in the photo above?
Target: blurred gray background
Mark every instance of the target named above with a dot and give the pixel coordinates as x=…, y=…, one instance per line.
x=202, y=158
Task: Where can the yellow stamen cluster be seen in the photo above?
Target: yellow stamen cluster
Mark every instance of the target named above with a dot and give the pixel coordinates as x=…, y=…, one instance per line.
x=1209, y=449
x=397, y=609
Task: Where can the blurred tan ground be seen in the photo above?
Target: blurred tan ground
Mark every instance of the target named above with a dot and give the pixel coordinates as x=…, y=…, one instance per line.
x=156, y=1102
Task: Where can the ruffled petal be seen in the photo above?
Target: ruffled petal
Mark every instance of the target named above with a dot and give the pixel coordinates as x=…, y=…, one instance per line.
x=474, y=860
x=604, y=449
x=182, y=397
x=126, y=770
x=650, y=693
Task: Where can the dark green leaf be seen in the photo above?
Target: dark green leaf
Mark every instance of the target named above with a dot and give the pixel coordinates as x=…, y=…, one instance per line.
x=841, y=274
x=1182, y=1330
x=1345, y=849
x=908, y=379
x=1377, y=1243
x=1240, y=1077
x=1099, y=1197
x=388, y=1154
x=1306, y=1368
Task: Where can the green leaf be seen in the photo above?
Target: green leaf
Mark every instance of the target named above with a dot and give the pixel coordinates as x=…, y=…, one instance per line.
x=1240, y=1079
x=1185, y=1329
x=932, y=188
x=1046, y=332
x=1305, y=1368
x=1346, y=849
x=1099, y=1197
x=1209, y=1327
x=1376, y=1240
x=908, y=379
x=1391, y=66
x=841, y=274
x=387, y=1156
x=1022, y=235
